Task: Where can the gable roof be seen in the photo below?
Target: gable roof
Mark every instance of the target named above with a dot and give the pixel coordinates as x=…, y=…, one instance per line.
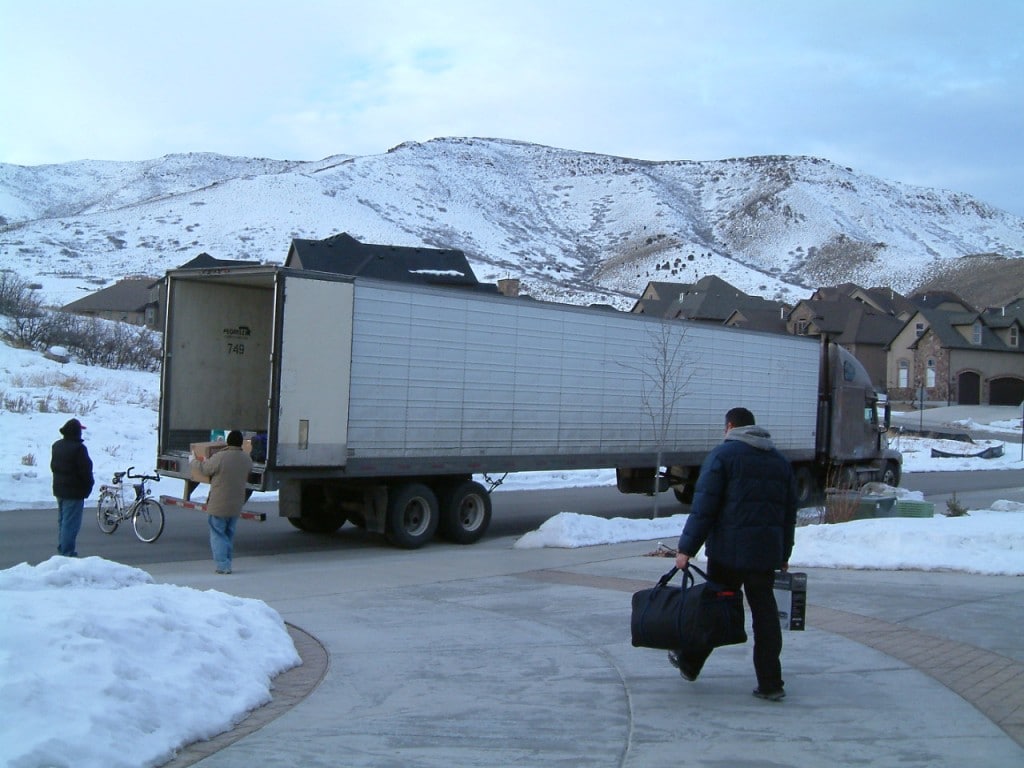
x=206, y=261
x=770, y=319
x=944, y=326
x=944, y=300
x=849, y=321
x=342, y=254
x=712, y=298
x=128, y=295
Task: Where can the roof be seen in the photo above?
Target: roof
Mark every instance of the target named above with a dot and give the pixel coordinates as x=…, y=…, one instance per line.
x=343, y=254
x=712, y=298
x=764, y=319
x=944, y=326
x=206, y=261
x=936, y=300
x=849, y=321
x=128, y=295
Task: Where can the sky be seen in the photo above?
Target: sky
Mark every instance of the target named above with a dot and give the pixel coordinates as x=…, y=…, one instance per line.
x=925, y=92
x=79, y=624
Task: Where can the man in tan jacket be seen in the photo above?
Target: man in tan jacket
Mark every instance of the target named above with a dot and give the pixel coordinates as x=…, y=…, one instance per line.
x=228, y=470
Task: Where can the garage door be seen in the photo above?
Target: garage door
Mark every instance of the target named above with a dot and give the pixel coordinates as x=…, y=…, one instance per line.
x=1006, y=391
x=968, y=388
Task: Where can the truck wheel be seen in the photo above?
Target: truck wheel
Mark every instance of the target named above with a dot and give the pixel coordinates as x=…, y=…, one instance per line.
x=684, y=494
x=412, y=516
x=465, y=512
x=806, y=487
x=891, y=474
x=849, y=479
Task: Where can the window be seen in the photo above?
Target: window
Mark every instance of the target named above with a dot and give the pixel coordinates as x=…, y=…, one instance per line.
x=904, y=375
x=976, y=334
x=1014, y=336
x=919, y=330
x=930, y=374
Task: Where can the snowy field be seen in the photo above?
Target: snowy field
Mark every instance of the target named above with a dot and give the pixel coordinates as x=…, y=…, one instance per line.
x=105, y=641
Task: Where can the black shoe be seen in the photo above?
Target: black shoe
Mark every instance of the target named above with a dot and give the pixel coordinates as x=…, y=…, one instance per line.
x=685, y=672
x=776, y=695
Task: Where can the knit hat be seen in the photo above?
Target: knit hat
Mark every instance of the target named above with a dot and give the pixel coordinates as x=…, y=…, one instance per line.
x=73, y=428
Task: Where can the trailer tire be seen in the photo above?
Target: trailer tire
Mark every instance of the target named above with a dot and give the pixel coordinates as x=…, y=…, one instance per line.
x=412, y=515
x=465, y=512
x=807, y=492
x=891, y=474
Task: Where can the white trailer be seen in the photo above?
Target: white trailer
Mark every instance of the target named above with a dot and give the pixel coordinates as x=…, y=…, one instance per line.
x=377, y=402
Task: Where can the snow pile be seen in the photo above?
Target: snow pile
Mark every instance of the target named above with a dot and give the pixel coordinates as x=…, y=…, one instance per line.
x=99, y=666
x=984, y=541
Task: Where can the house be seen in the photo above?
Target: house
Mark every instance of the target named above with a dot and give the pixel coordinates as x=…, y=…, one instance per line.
x=658, y=298
x=126, y=301
x=883, y=300
x=157, y=294
x=958, y=357
x=769, y=320
x=858, y=325
x=343, y=254
x=710, y=300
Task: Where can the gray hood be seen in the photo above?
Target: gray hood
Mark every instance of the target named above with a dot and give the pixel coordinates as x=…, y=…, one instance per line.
x=755, y=436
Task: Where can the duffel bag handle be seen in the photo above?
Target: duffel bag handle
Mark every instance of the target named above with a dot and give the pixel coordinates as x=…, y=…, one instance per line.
x=687, y=576
x=690, y=565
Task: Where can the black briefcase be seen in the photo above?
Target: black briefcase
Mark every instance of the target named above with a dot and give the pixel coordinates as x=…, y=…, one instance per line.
x=691, y=617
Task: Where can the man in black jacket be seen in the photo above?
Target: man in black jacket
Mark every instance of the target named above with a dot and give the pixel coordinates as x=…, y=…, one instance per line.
x=744, y=513
x=72, y=484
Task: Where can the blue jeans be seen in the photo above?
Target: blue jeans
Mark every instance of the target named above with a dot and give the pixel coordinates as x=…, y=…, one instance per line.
x=69, y=523
x=222, y=535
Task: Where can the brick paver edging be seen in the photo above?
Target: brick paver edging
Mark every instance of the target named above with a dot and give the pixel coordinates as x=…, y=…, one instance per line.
x=289, y=688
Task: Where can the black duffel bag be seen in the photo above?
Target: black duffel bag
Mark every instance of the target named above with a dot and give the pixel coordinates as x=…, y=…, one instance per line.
x=693, y=617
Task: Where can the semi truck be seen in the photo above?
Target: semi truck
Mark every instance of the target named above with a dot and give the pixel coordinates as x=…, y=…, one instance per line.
x=390, y=404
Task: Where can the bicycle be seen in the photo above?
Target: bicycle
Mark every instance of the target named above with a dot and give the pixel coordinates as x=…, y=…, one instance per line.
x=146, y=514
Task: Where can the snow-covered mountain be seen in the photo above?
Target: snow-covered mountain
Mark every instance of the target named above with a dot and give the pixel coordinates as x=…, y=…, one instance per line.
x=574, y=226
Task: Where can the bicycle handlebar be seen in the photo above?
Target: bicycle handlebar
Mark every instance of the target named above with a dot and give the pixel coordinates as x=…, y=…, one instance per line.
x=155, y=477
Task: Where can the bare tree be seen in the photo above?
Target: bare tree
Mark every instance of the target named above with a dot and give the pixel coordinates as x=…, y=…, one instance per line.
x=664, y=381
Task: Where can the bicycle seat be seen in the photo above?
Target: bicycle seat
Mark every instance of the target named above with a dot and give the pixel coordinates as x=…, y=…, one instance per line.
x=118, y=476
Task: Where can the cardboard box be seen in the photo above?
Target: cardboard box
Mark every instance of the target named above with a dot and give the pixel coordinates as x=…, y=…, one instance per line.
x=203, y=451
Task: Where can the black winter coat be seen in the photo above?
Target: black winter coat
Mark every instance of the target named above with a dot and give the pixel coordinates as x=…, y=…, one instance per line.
x=72, y=469
x=744, y=504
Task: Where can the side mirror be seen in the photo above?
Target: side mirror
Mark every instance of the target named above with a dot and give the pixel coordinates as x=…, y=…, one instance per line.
x=886, y=418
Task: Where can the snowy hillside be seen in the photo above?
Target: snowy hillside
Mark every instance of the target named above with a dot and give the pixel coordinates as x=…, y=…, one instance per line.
x=574, y=226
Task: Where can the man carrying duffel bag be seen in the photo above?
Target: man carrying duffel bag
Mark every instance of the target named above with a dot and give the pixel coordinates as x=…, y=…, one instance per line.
x=744, y=514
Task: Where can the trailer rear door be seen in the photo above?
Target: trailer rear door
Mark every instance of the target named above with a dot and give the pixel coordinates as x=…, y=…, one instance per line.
x=315, y=352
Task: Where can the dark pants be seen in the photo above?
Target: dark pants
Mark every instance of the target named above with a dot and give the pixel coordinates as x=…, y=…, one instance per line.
x=764, y=613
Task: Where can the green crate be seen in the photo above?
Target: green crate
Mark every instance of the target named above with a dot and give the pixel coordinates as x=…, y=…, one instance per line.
x=906, y=508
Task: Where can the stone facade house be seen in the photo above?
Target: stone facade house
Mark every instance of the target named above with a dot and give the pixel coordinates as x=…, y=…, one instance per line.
x=958, y=358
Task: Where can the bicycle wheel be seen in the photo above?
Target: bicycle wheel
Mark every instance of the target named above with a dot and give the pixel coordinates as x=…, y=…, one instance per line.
x=148, y=520
x=106, y=513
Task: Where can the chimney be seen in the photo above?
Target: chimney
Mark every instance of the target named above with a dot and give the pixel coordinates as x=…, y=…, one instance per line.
x=509, y=286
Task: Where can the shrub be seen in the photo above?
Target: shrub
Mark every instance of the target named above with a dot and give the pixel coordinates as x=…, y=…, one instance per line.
x=841, y=500
x=17, y=297
x=954, y=508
